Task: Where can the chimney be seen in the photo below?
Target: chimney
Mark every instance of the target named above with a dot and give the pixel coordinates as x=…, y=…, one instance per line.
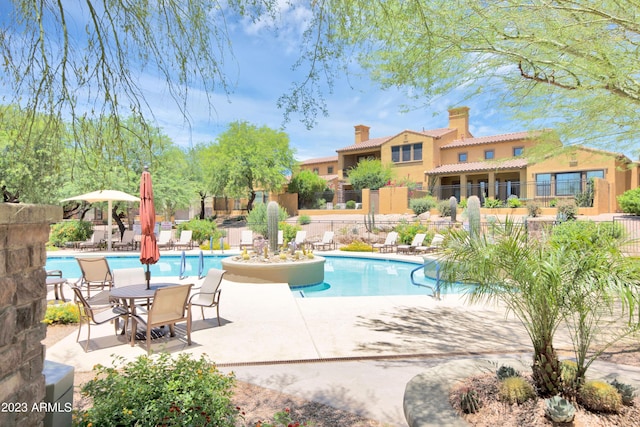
x=459, y=119
x=362, y=133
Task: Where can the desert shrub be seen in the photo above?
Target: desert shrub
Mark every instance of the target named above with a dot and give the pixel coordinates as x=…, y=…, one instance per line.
x=492, y=203
x=203, y=229
x=407, y=231
x=600, y=396
x=567, y=210
x=289, y=231
x=357, y=246
x=553, y=203
x=351, y=204
x=159, y=391
x=630, y=201
x=514, y=202
x=70, y=231
x=462, y=204
x=515, y=390
x=257, y=218
x=61, y=314
x=422, y=205
x=304, y=219
x=533, y=208
x=205, y=246
x=580, y=233
x=444, y=208
x=627, y=392
x=506, y=371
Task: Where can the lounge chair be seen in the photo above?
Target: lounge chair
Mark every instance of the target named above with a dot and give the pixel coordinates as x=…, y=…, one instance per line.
x=127, y=242
x=435, y=245
x=93, y=242
x=95, y=274
x=415, y=243
x=246, y=239
x=301, y=238
x=209, y=293
x=169, y=307
x=389, y=243
x=326, y=243
x=185, y=240
x=164, y=240
x=96, y=314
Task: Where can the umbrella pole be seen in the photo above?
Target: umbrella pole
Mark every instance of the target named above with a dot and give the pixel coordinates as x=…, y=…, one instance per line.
x=147, y=276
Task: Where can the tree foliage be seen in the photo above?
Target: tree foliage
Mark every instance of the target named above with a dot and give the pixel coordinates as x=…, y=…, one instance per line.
x=307, y=184
x=247, y=158
x=370, y=173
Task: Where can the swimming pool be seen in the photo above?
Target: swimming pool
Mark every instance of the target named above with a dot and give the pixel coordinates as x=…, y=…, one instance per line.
x=344, y=276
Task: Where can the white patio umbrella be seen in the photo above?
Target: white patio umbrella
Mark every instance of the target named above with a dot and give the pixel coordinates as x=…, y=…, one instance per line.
x=109, y=196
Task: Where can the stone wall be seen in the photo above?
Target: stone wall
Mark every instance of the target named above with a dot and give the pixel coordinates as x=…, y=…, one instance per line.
x=24, y=230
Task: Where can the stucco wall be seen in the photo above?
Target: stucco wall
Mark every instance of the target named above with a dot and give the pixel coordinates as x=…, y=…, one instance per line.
x=24, y=231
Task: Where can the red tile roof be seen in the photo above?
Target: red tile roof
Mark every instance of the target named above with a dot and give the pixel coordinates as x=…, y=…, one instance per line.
x=478, y=166
x=319, y=160
x=377, y=142
x=491, y=139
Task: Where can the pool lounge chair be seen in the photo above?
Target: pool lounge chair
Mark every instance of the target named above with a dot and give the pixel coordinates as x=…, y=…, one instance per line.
x=246, y=239
x=164, y=240
x=435, y=245
x=389, y=244
x=417, y=242
x=93, y=242
x=326, y=243
x=185, y=240
x=128, y=241
x=301, y=239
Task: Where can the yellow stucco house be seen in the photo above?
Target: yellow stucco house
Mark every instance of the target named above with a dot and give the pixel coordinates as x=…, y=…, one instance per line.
x=450, y=161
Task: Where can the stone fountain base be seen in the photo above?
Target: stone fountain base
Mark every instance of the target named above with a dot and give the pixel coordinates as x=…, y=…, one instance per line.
x=301, y=272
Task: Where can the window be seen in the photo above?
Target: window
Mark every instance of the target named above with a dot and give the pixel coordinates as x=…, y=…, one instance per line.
x=406, y=153
x=316, y=170
x=543, y=185
x=395, y=154
x=595, y=174
x=518, y=151
x=462, y=157
x=568, y=184
x=489, y=154
x=329, y=170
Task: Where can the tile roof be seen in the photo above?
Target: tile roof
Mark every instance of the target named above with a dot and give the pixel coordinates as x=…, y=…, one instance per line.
x=319, y=160
x=478, y=166
x=377, y=142
x=491, y=139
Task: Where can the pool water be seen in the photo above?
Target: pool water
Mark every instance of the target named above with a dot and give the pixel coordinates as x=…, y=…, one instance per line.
x=343, y=276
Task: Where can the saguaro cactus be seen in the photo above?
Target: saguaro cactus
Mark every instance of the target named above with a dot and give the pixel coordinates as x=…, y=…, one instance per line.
x=473, y=212
x=453, y=205
x=272, y=225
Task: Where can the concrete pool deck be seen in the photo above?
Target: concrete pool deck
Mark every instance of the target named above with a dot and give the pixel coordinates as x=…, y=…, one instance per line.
x=353, y=353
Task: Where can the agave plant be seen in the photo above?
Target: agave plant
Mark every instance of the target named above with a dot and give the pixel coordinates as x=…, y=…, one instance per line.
x=559, y=410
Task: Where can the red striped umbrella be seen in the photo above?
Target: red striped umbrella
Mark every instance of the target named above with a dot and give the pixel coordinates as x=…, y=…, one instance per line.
x=149, y=252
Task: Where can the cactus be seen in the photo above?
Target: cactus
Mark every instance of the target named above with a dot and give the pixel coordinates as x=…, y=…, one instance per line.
x=559, y=410
x=569, y=376
x=469, y=402
x=627, y=392
x=515, y=389
x=370, y=220
x=473, y=212
x=505, y=372
x=453, y=205
x=272, y=225
x=600, y=396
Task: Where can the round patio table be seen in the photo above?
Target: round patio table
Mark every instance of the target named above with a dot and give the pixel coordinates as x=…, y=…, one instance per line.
x=129, y=295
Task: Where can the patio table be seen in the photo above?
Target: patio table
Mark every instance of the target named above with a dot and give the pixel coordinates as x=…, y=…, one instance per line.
x=57, y=283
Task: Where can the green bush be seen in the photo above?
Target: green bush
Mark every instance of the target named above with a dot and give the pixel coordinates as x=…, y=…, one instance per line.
x=216, y=245
x=203, y=230
x=534, y=208
x=630, y=201
x=407, y=231
x=304, y=219
x=444, y=208
x=462, y=204
x=351, y=204
x=153, y=391
x=579, y=234
x=567, y=210
x=72, y=230
x=422, y=205
x=257, y=218
x=357, y=246
x=492, y=203
x=514, y=202
x=289, y=231
x=62, y=314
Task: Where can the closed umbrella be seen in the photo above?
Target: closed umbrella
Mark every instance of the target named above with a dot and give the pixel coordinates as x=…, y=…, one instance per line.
x=149, y=252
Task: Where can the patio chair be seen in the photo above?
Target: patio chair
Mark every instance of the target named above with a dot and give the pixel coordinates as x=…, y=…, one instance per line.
x=127, y=242
x=389, y=243
x=416, y=242
x=185, y=240
x=93, y=242
x=326, y=243
x=164, y=240
x=209, y=293
x=301, y=238
x=169, y=307
x=95, y=274
x=97, y=314
x=128, y=276
x=435, y=245
x=246, y=239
